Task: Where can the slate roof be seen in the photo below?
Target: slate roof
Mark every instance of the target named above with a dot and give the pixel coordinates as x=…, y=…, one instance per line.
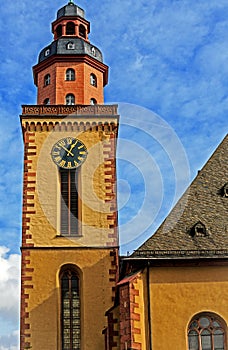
x=70, y=10
x=81, y=47
x=198, y=225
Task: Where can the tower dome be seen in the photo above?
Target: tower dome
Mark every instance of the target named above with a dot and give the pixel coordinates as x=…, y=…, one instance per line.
x=70, y=10
x=70, y=65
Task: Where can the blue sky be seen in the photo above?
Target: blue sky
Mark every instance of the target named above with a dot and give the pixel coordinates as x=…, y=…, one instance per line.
x=169, y=72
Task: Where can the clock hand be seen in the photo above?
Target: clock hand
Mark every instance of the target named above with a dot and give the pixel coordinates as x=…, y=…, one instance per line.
x=67, y=150
x=71, y=147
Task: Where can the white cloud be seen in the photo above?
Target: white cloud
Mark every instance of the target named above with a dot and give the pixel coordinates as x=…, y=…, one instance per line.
x=9, y=295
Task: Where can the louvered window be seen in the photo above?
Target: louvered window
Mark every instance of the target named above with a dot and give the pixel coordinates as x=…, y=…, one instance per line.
x=69, y=202
x=70, y=310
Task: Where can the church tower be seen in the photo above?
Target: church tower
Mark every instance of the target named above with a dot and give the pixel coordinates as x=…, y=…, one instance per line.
x=69, y=225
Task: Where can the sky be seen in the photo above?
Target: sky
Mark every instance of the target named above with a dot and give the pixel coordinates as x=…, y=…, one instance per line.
x=168, y=73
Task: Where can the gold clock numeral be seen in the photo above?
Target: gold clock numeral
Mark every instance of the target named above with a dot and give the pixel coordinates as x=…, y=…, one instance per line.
x=62, y=143
x=76, y=163
x=82, y=152
x=57, y=159
x=62, y=163
x=80, y=158
x=82, y=146
x=69, y=165
x=69, y=140
x=55, y=153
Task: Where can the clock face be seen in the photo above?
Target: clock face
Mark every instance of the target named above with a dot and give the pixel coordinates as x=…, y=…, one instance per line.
x=69, y=153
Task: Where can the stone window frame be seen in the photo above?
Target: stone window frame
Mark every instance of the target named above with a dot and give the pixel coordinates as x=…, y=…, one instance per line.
x=47, y=79
x=70, y=301
x=70, y=74
x=70, y=99
x=206, y=326
x=93, y=80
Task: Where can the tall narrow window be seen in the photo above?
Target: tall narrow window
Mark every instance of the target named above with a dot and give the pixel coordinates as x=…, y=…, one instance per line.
x=47, y=79
x=206, y=332
x=70, y=310
x=69, y=202
x=70, y=99
x=59, y=31
x=70, y=28
x=93, y=79
x=82, y=31
x=70, y=74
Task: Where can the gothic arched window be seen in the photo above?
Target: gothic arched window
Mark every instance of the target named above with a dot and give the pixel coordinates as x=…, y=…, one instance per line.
x=93, y=79
x=206, y=332
x=70, y=309
x=70, y=74
x=70, y=99
x=70, y=28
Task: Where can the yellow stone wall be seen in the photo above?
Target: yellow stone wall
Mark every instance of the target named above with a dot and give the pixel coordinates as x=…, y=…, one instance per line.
x=45, y=251
x=95, y=228
x=177, y=294
x=44, y=300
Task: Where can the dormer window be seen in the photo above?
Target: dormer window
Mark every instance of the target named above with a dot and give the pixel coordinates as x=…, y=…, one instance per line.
x=47, y=80
x=225, y=190
x=70, y=99
x=70, y=46
x=47, y=52
x=82, y=31
x=70, y=28
x=70, y=74
x=199, y=230
x=93, y=80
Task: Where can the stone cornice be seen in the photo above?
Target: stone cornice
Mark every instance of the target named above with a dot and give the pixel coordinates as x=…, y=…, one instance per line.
x=179, y=254
x=71, y=111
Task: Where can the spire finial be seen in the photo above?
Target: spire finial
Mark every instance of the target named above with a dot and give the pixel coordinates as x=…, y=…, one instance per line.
x=71, y=2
